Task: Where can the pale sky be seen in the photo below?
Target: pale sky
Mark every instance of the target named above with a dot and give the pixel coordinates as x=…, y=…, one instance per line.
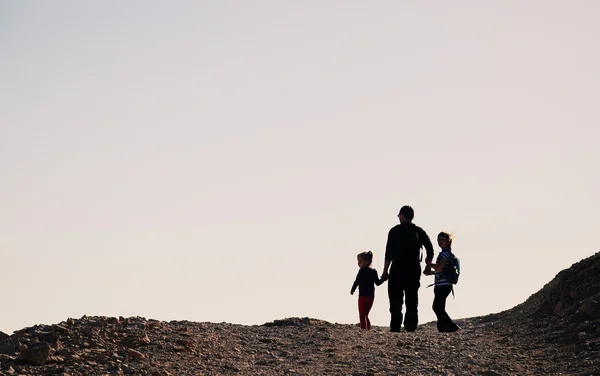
x=227, y=160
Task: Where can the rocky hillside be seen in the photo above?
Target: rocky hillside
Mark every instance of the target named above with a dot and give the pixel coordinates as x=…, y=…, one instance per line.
x=565, y=311
x=573, y=294
x=136, y=346
x=555, y=332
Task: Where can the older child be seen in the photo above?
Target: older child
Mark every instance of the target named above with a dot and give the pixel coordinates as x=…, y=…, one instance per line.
x=443, y=287
x=366, y=279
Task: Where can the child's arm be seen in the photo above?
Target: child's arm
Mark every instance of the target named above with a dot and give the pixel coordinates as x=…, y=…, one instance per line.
x=355, y=284
x=428, y=270
x=439, y=267
x=379, y=281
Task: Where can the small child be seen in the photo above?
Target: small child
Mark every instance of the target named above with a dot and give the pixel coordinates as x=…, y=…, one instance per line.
x=443, y=287
x=366, y=279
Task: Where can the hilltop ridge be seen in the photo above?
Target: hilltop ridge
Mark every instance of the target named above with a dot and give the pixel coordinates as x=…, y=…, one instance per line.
x=555, y=331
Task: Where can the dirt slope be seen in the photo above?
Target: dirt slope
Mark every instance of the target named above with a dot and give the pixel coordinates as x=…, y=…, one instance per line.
x=555, y=332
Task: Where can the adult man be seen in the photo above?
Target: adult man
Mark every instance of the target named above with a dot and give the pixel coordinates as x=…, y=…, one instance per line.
x=403, y=252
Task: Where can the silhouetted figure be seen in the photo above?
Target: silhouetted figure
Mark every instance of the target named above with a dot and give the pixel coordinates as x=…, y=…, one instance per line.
x=366, y=279
x=443, y=285
x=403, y=252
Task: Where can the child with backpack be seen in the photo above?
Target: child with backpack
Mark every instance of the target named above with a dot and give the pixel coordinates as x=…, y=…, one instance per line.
x=446, y=270
x=366, y=279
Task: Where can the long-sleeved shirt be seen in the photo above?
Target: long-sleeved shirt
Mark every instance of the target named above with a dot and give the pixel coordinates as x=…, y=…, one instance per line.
x=404, y=245
x=366, y=279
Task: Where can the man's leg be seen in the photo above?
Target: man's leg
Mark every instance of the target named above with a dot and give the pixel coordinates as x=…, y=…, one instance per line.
x=411, y=320
x=396, y=295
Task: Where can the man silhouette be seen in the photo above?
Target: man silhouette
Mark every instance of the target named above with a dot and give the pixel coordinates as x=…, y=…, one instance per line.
x=403, y=252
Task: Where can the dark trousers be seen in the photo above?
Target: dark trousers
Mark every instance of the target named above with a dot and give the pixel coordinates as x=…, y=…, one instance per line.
x=364, y=307
x=401, y=286
x=444, y=322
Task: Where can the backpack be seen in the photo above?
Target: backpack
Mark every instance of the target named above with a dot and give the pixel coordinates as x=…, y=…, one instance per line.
x=453, y=269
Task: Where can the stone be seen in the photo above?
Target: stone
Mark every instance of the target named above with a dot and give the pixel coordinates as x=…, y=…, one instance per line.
x=145, y=340
x=135, y=354
x=88, y=331
x=3, y=336
x=557, y=308
x=58, y=345
x=490, y=373
x=588, y=307
x=4, y=359
x=161, y=372
x=36, y=355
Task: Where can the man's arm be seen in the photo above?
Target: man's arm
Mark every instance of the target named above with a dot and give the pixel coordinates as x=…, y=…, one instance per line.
x=427, y=244
x=378, y=281
x=386, y=266
x=389, y=251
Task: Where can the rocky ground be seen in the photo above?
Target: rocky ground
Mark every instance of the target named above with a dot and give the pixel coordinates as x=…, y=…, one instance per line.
x=555, y=332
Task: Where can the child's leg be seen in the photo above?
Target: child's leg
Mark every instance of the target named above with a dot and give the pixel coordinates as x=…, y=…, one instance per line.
x=439, y=306
x=450, y=325
x=368, y=305
x=361, y=312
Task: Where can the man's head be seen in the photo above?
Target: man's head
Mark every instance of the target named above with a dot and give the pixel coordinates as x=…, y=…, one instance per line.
x=406, y=215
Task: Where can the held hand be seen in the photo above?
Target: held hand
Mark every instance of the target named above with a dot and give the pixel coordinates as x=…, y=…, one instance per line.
x=385, y=275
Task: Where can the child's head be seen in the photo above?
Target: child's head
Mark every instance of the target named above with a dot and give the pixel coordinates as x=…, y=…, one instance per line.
x=365, y=259
x=444, y=239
